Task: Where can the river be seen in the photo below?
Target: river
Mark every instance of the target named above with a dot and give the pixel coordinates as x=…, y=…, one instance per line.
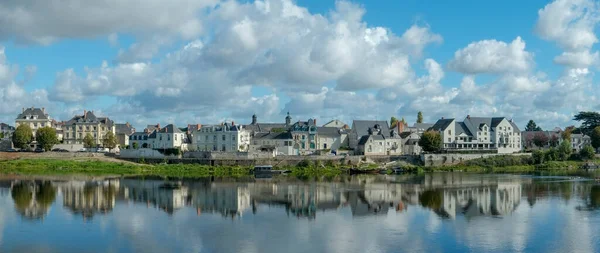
x=440, y=212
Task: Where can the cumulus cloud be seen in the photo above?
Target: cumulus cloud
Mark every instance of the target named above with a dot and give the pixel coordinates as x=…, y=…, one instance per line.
x=44, y=22
x=492, y=56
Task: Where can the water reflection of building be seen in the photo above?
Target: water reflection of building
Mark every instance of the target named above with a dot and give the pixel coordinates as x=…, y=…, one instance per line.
x=32, y=199
x=89, y=198
x=165, y=196
x=225, y=199
x=501, y=199
x=376, y=199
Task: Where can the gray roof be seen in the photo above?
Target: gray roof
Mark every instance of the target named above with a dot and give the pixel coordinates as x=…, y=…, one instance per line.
x=90, y=118
x=462, y=128
x=361, y=127
x=265, y=127
x=423, y=125
x=170, y=128
x=124, y=129
x=442, y=124
x=580, y=136
x=273, y=136
x=33, y=112
x=329, y=131
x=5, y=126
x=475, y=123
x=363, y=140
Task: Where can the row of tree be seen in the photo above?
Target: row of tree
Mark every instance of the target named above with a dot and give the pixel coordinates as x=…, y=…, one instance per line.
x=394, y=121
x=46, y=137
x=590, y=126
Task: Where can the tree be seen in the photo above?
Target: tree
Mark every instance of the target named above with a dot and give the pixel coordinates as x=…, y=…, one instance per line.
x=587, y=152
x=393, y=122
x=564, y=150
x=566, y=135
x=554, y=141
x=135, y=145
x=595, y=135
x=589, y=121
x=431, y=141
x=46, y=137
x=420, y=117
x=531, y=126
x=22, y=136
x=403, y=121
x=110, y=141
x=88, y=141
x=540, y=140
x=1, y=135
x=145, y=145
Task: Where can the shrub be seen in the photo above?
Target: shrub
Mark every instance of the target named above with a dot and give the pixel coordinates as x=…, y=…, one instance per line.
x=587, y=153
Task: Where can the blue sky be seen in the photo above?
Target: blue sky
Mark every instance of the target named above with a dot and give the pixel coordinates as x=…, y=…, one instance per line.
x=269, y=57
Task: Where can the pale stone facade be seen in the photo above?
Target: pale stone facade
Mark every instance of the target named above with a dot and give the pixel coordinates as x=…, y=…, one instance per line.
x=79, y=126
x=224, y=138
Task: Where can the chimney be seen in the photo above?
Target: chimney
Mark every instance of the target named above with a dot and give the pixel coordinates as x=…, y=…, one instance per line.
x=315, y=120
x=233, y=123
x=442, y=117
x=198, y=126
x=468, y=116
x=84, y=114
x=44, y=110
x=158, y=127
x=23, y=109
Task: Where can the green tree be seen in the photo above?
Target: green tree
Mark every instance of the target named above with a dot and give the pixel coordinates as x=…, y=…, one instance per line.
x=587, y=152
x=431, y=141
x=564, y=150
x=1, y=135
x=420, y=117
x=566, y=135
x=393, y=122
x=589, y=121
x=531, y=126
x=135, y=145
x=432, y=199
x=595, y=135
x=403, y=121
x=88, y=141
x=110, y=141
x=45, y=194
x=22, y=195
x=538, y=157
x=46, y=137
x=22, y=136
x=540, y=140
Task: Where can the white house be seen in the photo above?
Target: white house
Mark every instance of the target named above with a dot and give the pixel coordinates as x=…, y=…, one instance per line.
x=280, y=143
x=410, y=143
x=477, y=133
x=225, y=138
x=360, y=128
x=376, y=143
x=579, y=141
x=168, y=137
x=331, y=138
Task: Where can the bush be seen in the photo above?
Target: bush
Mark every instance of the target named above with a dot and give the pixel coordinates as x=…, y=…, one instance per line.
x=538, y=157
x=587, y=153
x=170, y=151
x=305, y=164
x=564, y=151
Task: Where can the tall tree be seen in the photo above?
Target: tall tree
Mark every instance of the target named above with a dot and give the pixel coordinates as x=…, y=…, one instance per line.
x=110, y=141
x=566, y=135
x=403, y=121
x=554, y=141
x=564, y=150
x=1, y=135
x=393, y=122
x=531, y=126
x=595, y=135
x=431, y=141
x=22, y=136
x=587, y=152
x=540, y=140
x=420, y=117
x=589, y=121
x=88, y=141
x=46, y=137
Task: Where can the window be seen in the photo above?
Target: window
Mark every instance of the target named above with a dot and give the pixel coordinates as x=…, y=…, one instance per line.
x=168, y=137
x=449, y=139
x=95, y=135
x=449, y=131
x=160, y=138
x=94, y=128
x=223, y=137
x=303, y=137
x=103, y=128
x=214, y=138
x=325, y=146
x=509, y=129
x=175, y=136
x=214, y=147
x=223, y=148
x=87, y=128
x=233, y=137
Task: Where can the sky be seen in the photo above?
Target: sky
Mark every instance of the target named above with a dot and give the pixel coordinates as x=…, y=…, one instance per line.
x=210, y=61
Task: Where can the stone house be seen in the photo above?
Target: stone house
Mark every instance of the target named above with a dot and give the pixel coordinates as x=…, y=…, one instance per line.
x=224, y=138
x=361, y=128
x=122, y=133
x=410, y=143
x=578, y=141
x=36, y=118
x=7, y=131
x=277, y=143
x=79, y=126
x=331, y=138
x=377, y=143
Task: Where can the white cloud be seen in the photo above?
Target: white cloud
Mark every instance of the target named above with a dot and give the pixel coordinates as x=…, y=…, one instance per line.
x=580, y=59
x=492, y=56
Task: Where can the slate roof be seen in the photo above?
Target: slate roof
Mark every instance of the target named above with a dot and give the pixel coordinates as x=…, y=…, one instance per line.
x=462, y=128
x=265, y=127
x=361, y=127
x=423, y=126
x=170, y=128
x=5, y=126
x=441, y=124
x=33, y=111
x=363, y=140
x=90, y=118
x=329, y=131
x=124, y=129
x=273, y=136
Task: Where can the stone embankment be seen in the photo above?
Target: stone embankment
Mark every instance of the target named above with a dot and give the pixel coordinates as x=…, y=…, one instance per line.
x=453, y=159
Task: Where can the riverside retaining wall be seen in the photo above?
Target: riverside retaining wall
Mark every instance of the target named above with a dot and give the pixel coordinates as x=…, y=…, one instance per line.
x=452, y=159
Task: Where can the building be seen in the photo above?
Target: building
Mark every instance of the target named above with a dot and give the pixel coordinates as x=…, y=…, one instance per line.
x=79, y=126
x=331, y=138
x=496, y=134
x=122, y=133
x=225, y=138
x=378, y=143
x=361, y=128
x=36, y=118
x=166, y=138
x=553, y=138
x=304, y=134
x=420, y=128
x=6, y=131
x=578, y=141
x=256, y=127
x=410, y=143
x=139, y=140
x=279, y=143
x=336, y=123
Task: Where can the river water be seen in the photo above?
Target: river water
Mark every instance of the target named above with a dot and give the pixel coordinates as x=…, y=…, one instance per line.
x=431, y=213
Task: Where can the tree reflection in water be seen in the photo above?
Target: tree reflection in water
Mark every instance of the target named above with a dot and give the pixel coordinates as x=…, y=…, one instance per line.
x=33, y=199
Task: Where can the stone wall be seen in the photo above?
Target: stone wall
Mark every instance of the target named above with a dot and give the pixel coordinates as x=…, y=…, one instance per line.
x=452, y=159
x=145, y=153
x=69, y=147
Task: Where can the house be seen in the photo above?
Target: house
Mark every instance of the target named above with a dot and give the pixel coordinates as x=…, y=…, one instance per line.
x=331, y=138
x=139, y=140
x=410, y=143
x=279, y=143
x=256, y=127
x=36, y=118
x=122, y=133
x=59, y=128
x=496, y=134
x=361, y=128
x=225, y=138
x=304, y=134
x=336, y=124
x=578, y=141
x=168, y=137
x=6, y=131
x=375, y=142
x=79, y=126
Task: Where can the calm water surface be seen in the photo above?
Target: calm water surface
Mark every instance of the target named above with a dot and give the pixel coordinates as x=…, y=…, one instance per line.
x=431, y=213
